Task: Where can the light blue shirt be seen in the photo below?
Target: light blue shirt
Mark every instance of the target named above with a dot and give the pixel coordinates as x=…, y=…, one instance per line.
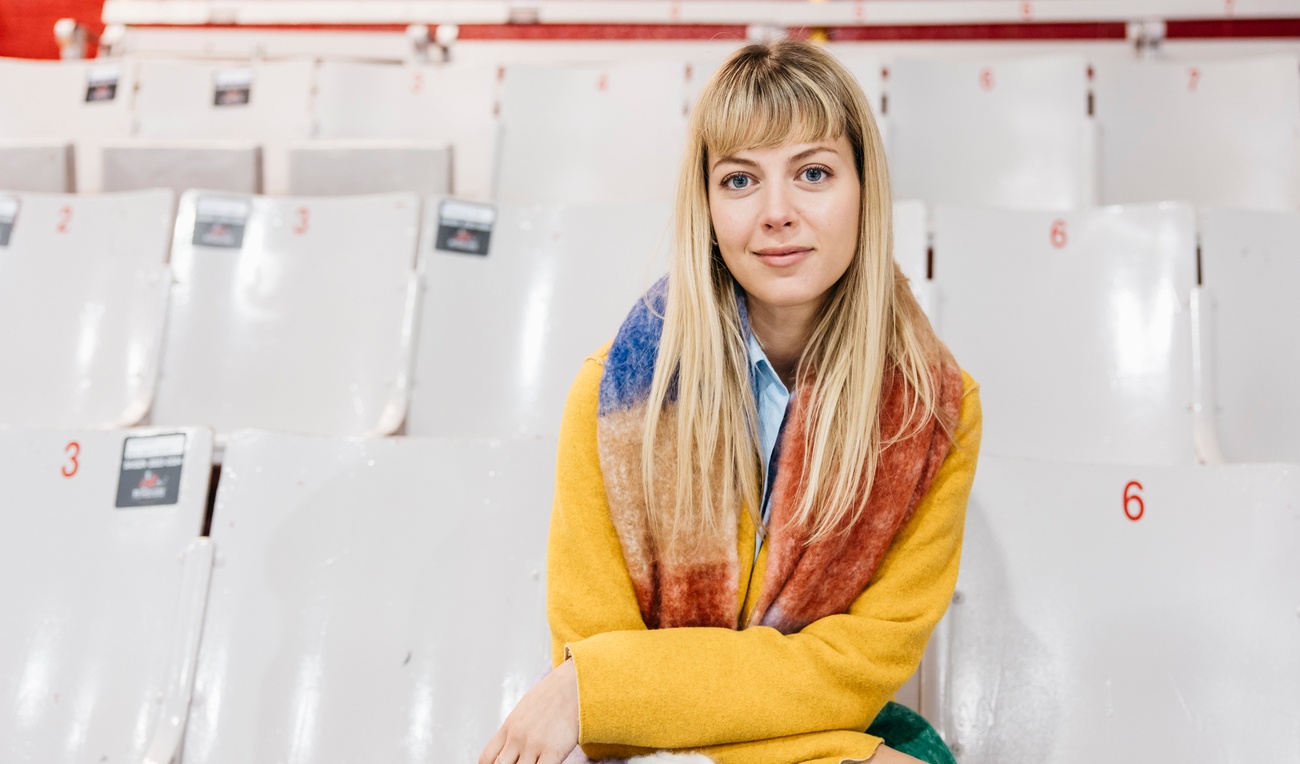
x=772, y=399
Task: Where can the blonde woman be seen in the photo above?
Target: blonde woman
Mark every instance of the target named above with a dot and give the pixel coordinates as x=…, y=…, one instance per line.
x=763, y=480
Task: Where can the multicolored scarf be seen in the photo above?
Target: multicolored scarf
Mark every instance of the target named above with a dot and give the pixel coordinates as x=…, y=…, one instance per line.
x=697, y=584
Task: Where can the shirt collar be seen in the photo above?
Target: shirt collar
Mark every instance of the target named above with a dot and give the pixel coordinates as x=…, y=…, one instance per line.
x=760, y=368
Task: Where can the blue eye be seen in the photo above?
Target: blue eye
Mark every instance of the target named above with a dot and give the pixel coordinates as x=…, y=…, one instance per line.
x=815, y=174
x=736, y=182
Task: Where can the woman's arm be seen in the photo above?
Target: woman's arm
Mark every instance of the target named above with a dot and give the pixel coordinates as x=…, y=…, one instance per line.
x=697, y=687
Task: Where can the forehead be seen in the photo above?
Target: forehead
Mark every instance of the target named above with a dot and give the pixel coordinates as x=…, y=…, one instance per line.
x=788, y=150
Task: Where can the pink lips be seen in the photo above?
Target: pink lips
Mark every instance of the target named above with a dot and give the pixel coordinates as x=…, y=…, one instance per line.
x=783, y=256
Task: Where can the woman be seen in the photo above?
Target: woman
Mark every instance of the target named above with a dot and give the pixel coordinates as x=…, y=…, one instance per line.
x=763, y=479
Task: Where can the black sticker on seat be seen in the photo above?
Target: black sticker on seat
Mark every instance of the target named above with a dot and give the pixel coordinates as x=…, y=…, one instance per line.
x=151, y=470
x=101, y=83
x=233, y=87
x=220, y=222
x=464, y=227
x=8, y=214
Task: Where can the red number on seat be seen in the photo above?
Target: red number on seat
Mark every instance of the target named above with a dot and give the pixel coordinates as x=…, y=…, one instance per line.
x=71, y=468
x=301, y=221
x=417, y=82
x=986, y=79
x=1027, y=10
x=1059, y=237
x=65, y=218
x=603, y=84
x=1132, y=498
x=1193, y=77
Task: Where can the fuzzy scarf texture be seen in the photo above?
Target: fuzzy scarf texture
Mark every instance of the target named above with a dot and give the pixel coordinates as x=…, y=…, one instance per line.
x=697, y=584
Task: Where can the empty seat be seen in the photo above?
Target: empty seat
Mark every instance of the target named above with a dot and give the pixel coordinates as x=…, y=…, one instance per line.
x=1126, y=613
x=231, y=166
x=291, y=314
x=589, y=135
x=428, y=105
x=83, y=300
x=912, y=248
x=264, y=103
x=1220, y=133
x=502, y=335
x=346, y=168
x=1005, y=133
x=378, y=600
x=1077, y=326
x=102, y=582
x=65, y=102
x=43, y=167
x=1250, y=266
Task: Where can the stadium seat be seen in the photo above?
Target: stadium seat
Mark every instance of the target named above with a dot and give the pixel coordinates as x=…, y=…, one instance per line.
x=1250, y=267
x=429, y=105
x=264, y=103
x=349, y=168
x=103, y=578
x=291, y=314
x=83, y=300
x=503, y=335
x=1077, y=326
x=77, y=102
x=231, y=166
x=911, y=249
x=44, y=167
x=1010, y=133
x=1215, y=133
x=1125, y=614
x=377, y=600
x=592, y=135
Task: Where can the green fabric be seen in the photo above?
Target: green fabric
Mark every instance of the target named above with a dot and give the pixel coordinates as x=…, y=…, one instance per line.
x=907, y=731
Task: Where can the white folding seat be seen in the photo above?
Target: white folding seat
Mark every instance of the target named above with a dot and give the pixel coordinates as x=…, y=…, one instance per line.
x=231, y=166
x=1250, y=327
x=1077, y=326
x=291, y=314
x=375, y=600
x=1112, y=613
x=83, y=300
x=266, y=103
x=1221, y=133
x=424, y=105
x=65, y=102
x=1004, y=133
x=503, y=335
x=43, y=167
x=912, y=248
x=347, y=168
x=103, y=578
x=591, y=135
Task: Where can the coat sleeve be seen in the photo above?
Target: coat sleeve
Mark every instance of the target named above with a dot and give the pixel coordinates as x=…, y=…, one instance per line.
x=752, y=695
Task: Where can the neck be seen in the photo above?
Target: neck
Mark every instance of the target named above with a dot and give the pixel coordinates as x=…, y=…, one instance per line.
x=783, y=333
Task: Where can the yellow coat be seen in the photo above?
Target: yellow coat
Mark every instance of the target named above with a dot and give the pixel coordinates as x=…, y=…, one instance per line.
x=740, y=697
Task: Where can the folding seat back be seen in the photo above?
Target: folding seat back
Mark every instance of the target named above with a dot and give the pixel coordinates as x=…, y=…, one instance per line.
x=1250, y=266
x=102, y=583
x=1088, y=357
x=348, y=168
x=1216, y=133
x=83, y=300
x=377, y=600
x=63, y=103
x=912, y=248
x=234, y=167
x=1004, y=133
x=41, y=166
x=503, y=334
x=199, y=104
x=429, y=106
x=291, y=314
x=589, y=135
x=1130, y=613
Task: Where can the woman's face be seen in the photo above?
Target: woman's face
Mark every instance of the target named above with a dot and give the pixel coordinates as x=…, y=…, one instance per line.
x=786, y=219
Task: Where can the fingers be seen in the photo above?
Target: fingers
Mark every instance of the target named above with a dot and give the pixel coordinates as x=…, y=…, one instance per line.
x=493, y=750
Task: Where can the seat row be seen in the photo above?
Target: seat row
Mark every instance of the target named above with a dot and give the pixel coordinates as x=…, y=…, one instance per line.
x=1055, y=132
x=383, y=600
x=1125, y=334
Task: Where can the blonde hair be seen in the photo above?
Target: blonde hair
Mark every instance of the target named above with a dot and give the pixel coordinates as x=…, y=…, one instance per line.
x=766, y=95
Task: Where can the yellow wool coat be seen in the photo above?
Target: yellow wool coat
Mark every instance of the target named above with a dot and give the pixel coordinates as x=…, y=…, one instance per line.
x=754, y=696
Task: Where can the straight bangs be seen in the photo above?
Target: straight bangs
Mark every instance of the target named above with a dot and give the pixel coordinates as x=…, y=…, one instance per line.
x=753, y=105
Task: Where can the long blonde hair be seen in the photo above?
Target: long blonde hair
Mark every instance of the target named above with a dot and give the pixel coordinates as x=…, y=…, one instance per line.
x=765, y=95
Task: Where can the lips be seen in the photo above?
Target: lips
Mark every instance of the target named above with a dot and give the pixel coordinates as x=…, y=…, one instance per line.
x=783, y=256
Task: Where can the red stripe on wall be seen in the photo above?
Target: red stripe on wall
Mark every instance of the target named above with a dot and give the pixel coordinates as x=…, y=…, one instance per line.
x=27, y=26
x=1232, y=28
x=1026, y=31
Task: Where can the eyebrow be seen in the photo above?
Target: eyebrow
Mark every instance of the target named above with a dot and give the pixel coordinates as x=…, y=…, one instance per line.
x=802, y=155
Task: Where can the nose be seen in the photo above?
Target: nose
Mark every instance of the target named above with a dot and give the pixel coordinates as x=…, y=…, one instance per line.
x=778, y=209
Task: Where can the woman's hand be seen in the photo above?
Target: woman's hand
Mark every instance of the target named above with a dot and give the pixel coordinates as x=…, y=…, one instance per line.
x=543, y=728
